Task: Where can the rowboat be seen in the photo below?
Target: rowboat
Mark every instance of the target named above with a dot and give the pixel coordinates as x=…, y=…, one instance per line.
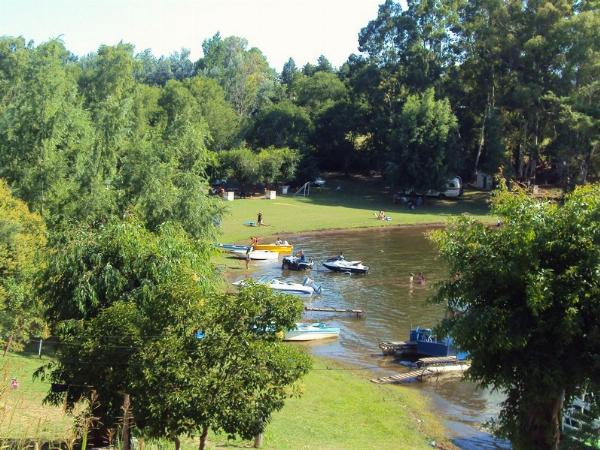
x=311, y=332
x=279, y=248
x=255, y=254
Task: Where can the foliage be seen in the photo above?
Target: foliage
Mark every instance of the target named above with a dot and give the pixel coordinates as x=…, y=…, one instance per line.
x=425, y=149
x=244, y=74
x=268, y=166
x=234, y=377
x=281, y=125
x=527, y=297
x=22, y=245
x=112, y=294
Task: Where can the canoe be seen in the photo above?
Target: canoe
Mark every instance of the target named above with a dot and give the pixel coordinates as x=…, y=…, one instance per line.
x=260, y=255
x=279, y=248
x=311, y=332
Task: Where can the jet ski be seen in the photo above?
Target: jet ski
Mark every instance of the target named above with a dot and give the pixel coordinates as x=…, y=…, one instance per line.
x=340, y=264
x=296, y=263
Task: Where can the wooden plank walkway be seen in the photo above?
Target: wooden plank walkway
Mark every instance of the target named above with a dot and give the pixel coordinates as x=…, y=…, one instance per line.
x=359, y=312
x=413, y=375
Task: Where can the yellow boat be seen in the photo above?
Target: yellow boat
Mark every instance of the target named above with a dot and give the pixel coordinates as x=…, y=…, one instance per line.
x=280, y=248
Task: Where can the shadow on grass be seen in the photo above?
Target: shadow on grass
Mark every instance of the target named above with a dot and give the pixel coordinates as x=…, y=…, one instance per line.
x=371, y=193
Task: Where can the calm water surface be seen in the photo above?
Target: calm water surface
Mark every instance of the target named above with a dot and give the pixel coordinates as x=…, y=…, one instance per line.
x=393, y=305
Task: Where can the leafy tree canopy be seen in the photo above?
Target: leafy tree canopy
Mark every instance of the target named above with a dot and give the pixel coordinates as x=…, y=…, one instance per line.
x=527, y=296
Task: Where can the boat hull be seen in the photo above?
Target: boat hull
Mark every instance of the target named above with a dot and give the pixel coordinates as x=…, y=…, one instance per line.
x=275, y=248
x=259, y=255
x=347, y=269
x=311, y=332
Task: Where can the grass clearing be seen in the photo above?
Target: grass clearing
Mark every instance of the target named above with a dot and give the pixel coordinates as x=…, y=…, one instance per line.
x=23, y=416
x=353, y=205
x=340, y=409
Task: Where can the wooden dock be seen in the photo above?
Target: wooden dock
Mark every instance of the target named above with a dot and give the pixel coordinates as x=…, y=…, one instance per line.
x=427, y=367
x=359, y=312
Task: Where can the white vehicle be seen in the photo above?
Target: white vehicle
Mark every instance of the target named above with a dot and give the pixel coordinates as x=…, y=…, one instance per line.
x=319, y=182
x=452, y=189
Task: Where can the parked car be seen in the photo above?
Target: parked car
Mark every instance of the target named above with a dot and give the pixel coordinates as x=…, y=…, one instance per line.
x=319, y=182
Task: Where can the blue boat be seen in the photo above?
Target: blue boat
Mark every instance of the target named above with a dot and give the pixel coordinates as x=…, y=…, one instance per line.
x=232, y=247
x=423, y=343
x=427, y=344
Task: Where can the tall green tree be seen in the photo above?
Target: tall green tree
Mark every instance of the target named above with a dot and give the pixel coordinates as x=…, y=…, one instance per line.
x=113, y=293
x=45, y=135
x=527, y=299
x=230, y=380
x=22, y=247
x=426, y=149
x=244, y=74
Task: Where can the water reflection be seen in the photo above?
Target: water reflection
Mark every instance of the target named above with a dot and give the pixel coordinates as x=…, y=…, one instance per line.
x=393, y=304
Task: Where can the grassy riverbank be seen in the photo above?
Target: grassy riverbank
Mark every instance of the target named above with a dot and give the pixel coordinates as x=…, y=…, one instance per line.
x=338, y=409
x=353, y=205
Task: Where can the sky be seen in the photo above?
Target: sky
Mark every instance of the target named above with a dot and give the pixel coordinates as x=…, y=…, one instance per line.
x=301, y=29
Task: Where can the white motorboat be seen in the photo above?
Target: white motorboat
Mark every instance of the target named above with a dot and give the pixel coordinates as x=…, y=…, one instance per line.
x=255, y=254
x=340, y=264
x=311, y=332
x=287, y=287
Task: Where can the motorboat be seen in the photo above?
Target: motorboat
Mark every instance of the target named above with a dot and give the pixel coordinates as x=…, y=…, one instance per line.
x=311, y=332
x=307, y=287
x=232, y=247
x=296, y=263
x=260, y=255
x=340, y=264
x=275, y=247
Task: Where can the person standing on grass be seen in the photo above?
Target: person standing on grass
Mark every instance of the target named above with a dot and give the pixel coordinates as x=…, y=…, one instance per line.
x=259, y=218
x=248, y=250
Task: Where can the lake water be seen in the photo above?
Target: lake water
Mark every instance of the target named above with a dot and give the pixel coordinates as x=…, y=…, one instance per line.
x=393, y=305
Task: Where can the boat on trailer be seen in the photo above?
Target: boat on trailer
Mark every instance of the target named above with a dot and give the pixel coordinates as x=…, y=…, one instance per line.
x=340, y=264
x=311, y=332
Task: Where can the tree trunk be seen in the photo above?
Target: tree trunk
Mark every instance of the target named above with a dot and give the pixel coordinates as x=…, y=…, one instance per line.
x=177, y=443
x=125, y=432
x=258, y=440
x=542, y=428
x=203, y=437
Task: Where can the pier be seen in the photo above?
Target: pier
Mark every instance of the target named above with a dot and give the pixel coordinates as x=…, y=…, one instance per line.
x=359, y=312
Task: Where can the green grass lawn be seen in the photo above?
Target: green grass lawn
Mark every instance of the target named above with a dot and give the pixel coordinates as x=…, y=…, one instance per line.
x=353, y=205
x=22, y=412
x=341, y=409
x=338, y=409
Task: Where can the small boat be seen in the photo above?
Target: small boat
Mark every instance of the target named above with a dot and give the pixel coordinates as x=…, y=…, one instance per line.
x=296, y=263
x=311, y=332
x=232, y=247
x=339, y=264
x=423, y=342
x=260, y=255
x=274, y=247
x=287, y=287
